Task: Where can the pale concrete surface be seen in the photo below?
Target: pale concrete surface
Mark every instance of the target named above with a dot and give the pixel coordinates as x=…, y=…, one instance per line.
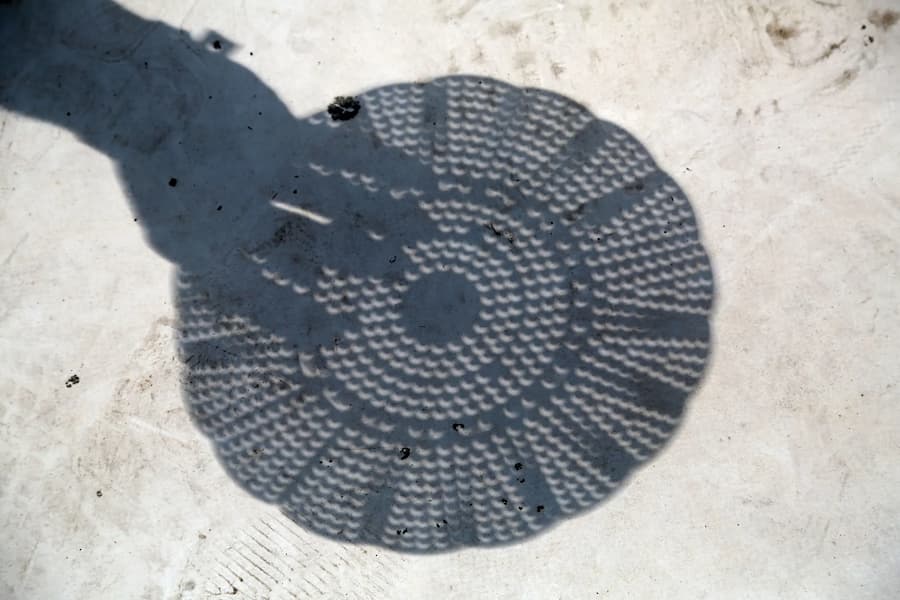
x=780, y=124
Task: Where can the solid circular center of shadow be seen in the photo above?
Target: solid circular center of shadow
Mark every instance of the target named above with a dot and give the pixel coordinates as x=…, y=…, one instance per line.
x=440, y=307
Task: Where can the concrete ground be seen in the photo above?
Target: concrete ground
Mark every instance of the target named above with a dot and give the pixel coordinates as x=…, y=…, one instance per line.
x=723, y=416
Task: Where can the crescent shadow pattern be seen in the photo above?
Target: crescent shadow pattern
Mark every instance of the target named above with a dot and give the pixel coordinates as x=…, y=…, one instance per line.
x=454, y=316
x=517, y=327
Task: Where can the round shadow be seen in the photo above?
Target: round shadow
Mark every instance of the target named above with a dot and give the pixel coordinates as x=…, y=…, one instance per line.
x=463, y=313
x=443, y=307
x=430, y=316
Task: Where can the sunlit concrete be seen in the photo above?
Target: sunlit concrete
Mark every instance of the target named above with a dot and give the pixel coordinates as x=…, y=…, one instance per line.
x=779, y=124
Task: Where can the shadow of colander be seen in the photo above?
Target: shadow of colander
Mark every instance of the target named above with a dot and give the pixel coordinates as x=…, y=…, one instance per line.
x=471, y=310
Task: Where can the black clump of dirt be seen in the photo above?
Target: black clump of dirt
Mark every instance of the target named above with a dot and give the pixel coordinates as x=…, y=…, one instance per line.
x=173, y=182
x=344, y=108
x=73, y=380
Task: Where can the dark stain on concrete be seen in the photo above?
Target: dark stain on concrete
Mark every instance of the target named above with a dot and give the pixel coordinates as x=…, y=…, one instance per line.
x=846, y=78
x=780, y=33
x=509, y=28
x=831, y=49
x=585, y=12
x=884, y=19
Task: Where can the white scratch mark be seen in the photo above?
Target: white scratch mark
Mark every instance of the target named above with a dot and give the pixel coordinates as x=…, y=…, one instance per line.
x=308, y=214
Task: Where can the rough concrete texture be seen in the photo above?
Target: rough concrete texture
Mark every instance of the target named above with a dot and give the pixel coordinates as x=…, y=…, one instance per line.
x=203, y=397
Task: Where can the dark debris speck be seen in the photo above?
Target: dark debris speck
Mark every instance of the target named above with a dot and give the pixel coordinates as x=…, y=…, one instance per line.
x=344, y=108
